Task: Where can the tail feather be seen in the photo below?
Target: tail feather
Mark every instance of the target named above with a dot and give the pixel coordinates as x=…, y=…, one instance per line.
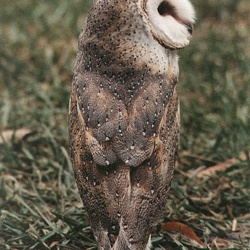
x=125, y=242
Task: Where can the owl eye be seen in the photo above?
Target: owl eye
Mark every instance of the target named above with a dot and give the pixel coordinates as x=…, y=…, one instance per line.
x=166, y=9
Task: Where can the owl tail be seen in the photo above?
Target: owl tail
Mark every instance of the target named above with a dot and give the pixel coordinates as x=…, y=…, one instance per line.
x=124, y=243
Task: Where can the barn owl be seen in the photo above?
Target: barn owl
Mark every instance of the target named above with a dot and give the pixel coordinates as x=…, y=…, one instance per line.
x=124, y=115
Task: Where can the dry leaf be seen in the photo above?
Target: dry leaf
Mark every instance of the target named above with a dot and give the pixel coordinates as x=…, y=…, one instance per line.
x=222, y=166
x=183, y=229
x=234, y=225
x=7, y=135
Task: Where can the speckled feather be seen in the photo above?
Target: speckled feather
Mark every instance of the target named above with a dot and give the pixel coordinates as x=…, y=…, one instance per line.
x=123, y=124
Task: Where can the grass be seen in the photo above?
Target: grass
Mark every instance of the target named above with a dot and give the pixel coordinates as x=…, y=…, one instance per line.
x=39, y=205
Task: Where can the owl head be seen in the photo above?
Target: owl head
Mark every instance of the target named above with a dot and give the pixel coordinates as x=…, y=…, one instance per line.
x=170, y=21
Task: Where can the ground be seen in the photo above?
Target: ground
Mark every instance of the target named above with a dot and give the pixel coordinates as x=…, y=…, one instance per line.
x=39, y=204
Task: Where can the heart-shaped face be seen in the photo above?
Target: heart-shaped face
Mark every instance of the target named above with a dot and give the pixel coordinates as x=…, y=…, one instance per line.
x=171, y=21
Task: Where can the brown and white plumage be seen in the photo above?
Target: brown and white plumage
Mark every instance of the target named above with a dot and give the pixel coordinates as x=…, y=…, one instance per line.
x=124, y=115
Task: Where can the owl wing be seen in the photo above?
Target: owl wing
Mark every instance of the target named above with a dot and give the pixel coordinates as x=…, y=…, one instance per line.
x=122, y=125
x=123, y=146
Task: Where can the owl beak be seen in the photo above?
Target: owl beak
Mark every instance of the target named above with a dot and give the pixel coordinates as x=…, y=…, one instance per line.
x=190, y=28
